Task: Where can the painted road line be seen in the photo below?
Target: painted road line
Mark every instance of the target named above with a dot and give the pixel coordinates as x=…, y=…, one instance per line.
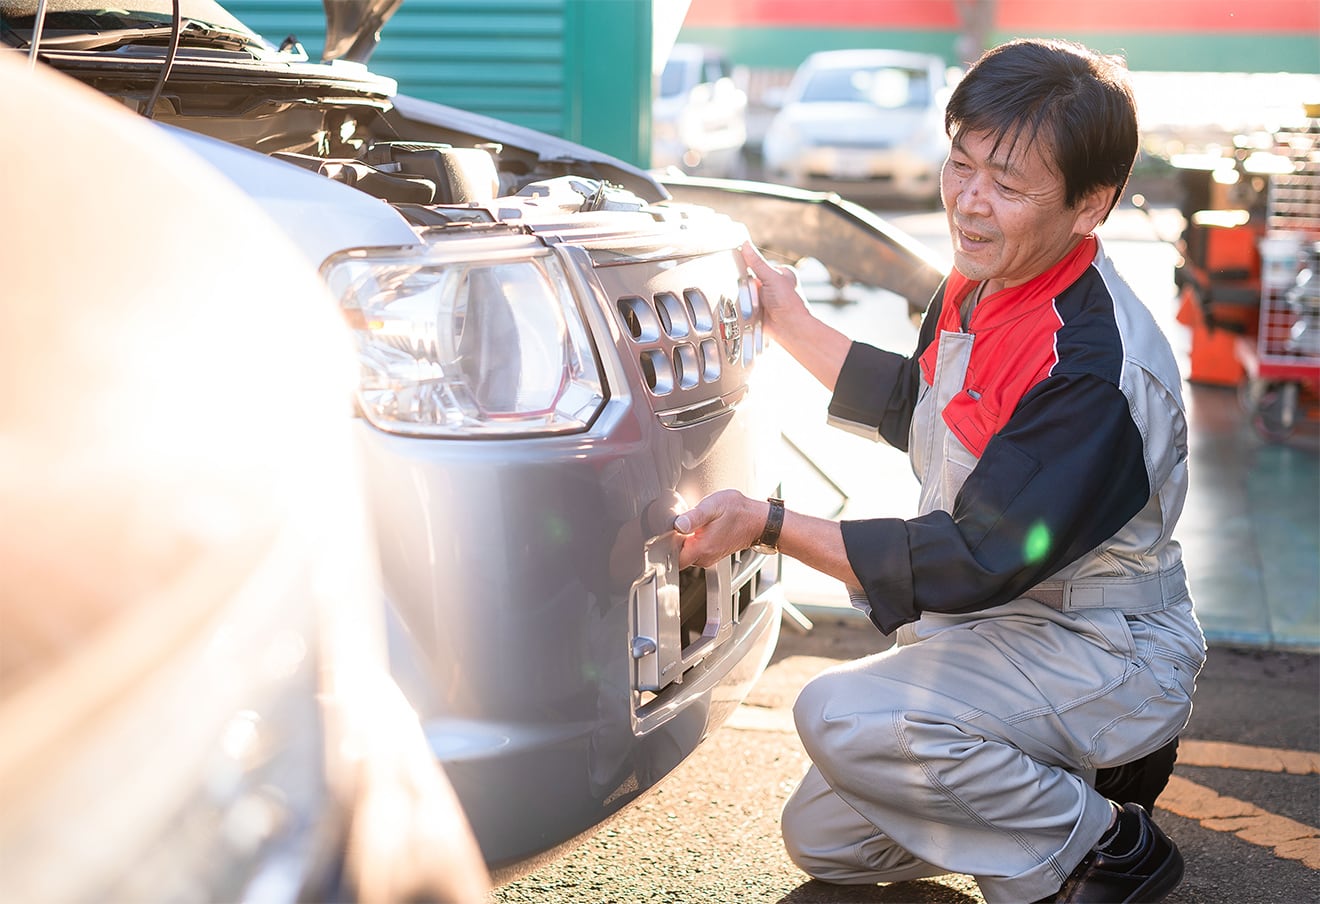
x=1291, y=840
x=1223, y=755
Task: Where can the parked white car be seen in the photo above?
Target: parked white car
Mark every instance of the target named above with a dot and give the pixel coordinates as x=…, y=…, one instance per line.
x=864, y=123
x=699, y=115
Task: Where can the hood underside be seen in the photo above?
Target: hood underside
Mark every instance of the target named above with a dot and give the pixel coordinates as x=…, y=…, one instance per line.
x=352, y=27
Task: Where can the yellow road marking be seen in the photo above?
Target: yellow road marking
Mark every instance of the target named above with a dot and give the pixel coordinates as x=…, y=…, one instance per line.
x=1223, y=755
x=1290, y=839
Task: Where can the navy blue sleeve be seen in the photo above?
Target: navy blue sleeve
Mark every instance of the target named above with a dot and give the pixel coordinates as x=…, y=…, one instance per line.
x=877, y=390
x=1061, y=477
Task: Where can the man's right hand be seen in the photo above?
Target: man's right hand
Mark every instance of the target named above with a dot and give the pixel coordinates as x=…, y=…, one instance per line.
x=780, y=291
x=816, y=345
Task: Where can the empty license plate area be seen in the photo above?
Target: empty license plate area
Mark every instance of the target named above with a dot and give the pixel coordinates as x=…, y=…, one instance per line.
x=681, y=617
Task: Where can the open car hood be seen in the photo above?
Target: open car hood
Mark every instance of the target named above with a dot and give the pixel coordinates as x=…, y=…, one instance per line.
x=352, y=27
x=854, y=244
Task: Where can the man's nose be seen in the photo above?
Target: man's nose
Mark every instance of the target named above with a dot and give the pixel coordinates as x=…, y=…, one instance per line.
x=972, y=196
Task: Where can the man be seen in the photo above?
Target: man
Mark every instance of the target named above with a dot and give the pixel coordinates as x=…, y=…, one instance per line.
x=1044, y=627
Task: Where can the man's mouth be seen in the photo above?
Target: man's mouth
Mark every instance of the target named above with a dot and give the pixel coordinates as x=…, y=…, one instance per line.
x=971, y=236
x=970, y=241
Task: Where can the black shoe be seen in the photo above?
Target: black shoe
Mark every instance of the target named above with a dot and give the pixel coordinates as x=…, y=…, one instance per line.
x=1140, y=781
x=1147, y=873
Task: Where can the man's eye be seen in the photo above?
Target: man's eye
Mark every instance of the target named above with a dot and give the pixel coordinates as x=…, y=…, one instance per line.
x=1007, y=189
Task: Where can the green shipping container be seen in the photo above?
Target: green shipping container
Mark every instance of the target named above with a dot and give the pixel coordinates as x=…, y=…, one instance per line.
x=579, y=69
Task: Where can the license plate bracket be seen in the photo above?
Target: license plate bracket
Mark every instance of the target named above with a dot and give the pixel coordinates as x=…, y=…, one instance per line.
x=671, y=635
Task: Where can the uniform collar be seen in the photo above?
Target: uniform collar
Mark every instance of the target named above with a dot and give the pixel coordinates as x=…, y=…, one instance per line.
x=1009, y=304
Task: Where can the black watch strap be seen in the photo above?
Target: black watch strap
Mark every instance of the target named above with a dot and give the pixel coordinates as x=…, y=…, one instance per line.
x=774, y=523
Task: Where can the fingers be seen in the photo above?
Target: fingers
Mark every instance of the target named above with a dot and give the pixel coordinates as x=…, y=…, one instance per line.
x=688, y=555
x=756, y=262
x=709, y=529
x=689, y=522
x=775, y=278
x=701, y=514
x=687, y=525
x=762, y=269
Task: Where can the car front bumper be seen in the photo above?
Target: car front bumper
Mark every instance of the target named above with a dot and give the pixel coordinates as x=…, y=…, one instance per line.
x=560, y=661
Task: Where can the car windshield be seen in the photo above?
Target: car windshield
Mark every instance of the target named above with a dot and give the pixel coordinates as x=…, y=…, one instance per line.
x=881, y=86
x=66, y=19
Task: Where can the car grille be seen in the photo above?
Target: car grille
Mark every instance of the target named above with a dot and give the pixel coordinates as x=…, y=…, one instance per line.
x=684, y=340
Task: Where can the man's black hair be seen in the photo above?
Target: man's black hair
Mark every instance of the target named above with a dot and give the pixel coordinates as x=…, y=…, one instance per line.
x=1079, y=101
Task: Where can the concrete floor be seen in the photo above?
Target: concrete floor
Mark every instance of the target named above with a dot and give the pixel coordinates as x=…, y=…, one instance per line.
x=1251, y=528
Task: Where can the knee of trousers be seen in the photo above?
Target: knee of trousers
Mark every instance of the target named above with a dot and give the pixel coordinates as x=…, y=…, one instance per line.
x=837, y=717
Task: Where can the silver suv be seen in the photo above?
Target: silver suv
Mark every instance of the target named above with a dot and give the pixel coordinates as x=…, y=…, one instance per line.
x=554, y=357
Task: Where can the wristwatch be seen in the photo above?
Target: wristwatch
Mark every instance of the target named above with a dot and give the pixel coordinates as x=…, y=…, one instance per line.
x=774, y=523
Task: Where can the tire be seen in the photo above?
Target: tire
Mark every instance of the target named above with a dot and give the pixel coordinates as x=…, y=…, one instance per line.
x=1274, y=415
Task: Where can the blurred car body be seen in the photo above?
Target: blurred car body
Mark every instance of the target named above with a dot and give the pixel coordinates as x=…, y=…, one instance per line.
x=699, y=114
x=863, y=122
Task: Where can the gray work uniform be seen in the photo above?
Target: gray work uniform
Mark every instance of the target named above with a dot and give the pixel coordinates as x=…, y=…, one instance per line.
x=1042, y=619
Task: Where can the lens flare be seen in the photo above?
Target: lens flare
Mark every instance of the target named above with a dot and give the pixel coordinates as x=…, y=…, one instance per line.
x=1037, y=543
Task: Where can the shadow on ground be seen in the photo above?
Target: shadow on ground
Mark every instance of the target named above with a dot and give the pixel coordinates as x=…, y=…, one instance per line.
x=919, y=892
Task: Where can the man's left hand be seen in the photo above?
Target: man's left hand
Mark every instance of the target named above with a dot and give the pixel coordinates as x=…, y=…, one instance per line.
x=718, y=526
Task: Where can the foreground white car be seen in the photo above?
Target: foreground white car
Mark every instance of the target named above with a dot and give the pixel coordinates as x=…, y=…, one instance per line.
x=194, y=696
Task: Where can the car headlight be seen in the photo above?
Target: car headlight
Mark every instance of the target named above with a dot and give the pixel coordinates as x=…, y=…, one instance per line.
x=485, y=339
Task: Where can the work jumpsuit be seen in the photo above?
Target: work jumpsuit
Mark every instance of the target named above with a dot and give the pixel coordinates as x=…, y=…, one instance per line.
x=1043, y=625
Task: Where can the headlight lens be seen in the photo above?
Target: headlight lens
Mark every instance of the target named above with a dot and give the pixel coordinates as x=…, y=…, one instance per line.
x=481, y=339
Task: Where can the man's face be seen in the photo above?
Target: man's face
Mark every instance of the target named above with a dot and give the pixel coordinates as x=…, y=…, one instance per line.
x=1006, y=212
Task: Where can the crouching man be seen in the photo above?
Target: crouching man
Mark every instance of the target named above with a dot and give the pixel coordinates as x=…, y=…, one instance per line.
x=1044, y=627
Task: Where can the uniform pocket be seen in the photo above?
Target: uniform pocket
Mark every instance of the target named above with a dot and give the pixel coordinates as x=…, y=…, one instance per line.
x=1002, y=474
x=1172, y=644
x=971, y=417
x=1154, y=700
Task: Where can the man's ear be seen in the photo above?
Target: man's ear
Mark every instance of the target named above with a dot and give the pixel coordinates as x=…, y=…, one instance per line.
x=1092, y=209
